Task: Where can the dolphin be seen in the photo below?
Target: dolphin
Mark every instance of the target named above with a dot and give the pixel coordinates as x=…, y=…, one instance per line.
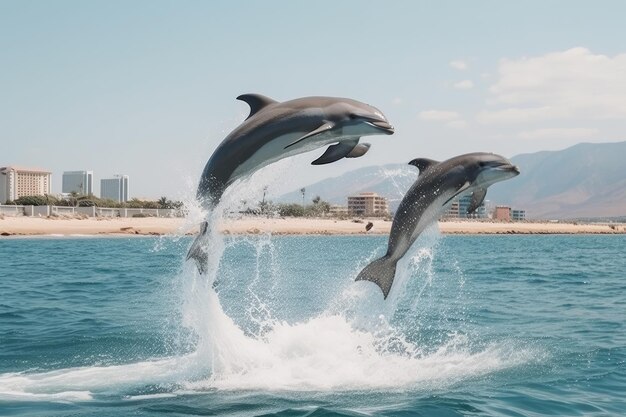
x=275, y=130
x=437, y=185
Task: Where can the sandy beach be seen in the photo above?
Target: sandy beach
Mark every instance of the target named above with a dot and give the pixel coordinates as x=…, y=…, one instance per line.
x=33, y=226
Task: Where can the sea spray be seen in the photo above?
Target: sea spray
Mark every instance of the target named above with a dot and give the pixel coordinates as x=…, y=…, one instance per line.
x=330, y=350
x=323, y=351
x=401, y=179
x=259, y=309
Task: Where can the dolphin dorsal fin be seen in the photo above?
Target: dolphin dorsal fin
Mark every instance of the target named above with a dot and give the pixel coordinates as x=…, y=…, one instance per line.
x=256, y=102
x=423, y=164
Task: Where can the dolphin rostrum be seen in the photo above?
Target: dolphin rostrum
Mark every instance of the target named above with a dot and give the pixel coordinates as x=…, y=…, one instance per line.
x=437, y=185
x=274, y=131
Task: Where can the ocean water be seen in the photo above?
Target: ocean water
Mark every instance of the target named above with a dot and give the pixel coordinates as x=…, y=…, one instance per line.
x=475, y=325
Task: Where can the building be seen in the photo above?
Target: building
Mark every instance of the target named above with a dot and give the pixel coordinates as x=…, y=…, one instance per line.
x=368, y=204
x=452, y=212
x=337, y=210
x=518, y=215
x=464, y=204
x=115, y=188
x=16, y=182
x=502, y=213
x=458, y=209
x=79, y=182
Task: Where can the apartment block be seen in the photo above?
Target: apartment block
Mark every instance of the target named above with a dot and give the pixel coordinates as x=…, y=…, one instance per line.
x=368, y=204
x=16, y=182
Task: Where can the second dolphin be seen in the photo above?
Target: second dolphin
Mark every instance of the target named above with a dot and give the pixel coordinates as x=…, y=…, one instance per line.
x=438, y=184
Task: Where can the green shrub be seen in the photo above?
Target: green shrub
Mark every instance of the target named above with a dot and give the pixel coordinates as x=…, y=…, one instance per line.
x=32, y=200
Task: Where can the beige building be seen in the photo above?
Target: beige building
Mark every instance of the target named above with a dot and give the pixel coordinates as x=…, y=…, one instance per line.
x=16, y=182
x=368, y=204
x=337, y=210
x=502, y=213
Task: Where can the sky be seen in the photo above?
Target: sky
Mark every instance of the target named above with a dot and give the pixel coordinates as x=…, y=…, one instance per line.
x=147, y=88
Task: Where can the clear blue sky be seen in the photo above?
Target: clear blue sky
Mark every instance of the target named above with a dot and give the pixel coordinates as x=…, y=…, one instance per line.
x=147, y=88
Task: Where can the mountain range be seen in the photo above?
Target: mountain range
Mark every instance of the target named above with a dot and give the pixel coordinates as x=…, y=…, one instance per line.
x=583, y=181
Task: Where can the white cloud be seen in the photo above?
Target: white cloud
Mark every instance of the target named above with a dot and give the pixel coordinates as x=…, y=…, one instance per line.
x=514, y=115
x=458, y=124
x=439, y=115
x=559, y=133
x=572, y=84
x=464, y=85
x=450, y=118
x=397, y=101
x=459, y=64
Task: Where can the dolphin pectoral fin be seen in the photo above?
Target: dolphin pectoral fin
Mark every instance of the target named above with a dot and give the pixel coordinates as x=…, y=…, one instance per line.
x=459, y=191
x=336, y=152
x=381, y=272
x=198, y=249
x=359, y=150
x=478, y=197
x=256, y=102
x=323, y=128
x=423, y=164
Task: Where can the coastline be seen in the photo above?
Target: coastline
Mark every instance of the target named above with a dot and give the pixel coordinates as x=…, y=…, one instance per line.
x=58, y=227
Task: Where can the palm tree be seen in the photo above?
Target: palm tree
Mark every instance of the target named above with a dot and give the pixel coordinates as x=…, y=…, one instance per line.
x=74, y=198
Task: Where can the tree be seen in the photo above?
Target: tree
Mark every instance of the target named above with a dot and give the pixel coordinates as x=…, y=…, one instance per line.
x=137, y=203
x=316, y=200
x=324, y=207
x=74, y=198
x=163, y=202
x=86, y=203
x=291, y=210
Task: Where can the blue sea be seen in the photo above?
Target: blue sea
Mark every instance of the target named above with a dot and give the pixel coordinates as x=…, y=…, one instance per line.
x=474, y=326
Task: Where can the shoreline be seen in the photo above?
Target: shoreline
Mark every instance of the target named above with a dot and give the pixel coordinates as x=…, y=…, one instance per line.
x=152, y=226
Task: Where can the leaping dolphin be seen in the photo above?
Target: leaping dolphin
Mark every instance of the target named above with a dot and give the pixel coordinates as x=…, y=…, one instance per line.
x=429, y=197
x=274, y=131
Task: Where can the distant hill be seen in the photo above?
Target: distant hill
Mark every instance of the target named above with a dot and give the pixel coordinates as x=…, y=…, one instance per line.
x=584, y=181
x=390, y=181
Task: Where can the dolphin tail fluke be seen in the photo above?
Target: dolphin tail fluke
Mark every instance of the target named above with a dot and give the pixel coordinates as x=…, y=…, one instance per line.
x=381, y=272
x=198, y=249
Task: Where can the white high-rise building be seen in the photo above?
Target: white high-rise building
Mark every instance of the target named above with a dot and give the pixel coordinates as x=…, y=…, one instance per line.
x=80, y=182
x=115, y=188
x=16, y=182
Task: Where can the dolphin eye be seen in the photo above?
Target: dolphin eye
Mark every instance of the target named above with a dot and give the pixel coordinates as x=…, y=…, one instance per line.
x=353, y=116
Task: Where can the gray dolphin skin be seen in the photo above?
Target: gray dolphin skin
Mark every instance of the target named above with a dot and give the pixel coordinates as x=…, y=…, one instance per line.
x=437, y=185
x=276, y=130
